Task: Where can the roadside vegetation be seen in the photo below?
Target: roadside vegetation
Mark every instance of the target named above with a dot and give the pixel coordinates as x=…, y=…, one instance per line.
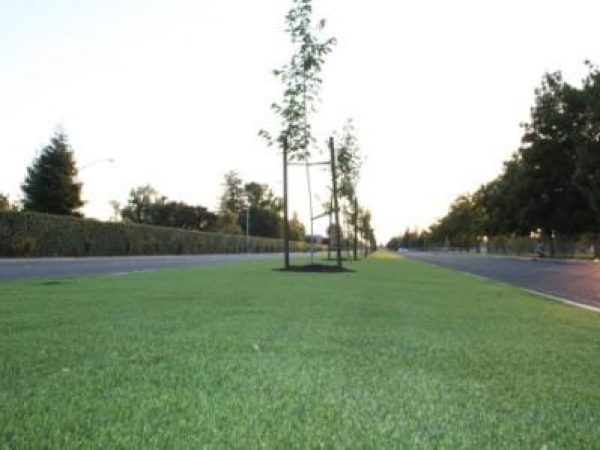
x=549, y=190
x=396, y=354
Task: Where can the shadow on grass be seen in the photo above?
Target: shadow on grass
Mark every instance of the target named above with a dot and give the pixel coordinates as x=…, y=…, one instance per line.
x=316, y=268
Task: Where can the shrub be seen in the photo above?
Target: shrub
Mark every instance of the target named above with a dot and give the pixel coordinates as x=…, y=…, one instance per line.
x=35, y=234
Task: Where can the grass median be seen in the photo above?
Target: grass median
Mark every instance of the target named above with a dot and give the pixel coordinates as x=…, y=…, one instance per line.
x=395, y=354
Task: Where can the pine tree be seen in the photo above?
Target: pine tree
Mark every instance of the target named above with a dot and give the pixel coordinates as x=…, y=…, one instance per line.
x=50, y=185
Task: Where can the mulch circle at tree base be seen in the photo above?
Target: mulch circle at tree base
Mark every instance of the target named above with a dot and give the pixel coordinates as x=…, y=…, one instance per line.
x=316, y=268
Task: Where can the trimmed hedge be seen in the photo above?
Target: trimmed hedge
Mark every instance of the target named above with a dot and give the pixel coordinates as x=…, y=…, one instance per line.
x=561, y=247
x=35, y=234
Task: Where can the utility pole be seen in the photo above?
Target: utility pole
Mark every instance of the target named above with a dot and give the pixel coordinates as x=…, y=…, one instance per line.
x=335, y=204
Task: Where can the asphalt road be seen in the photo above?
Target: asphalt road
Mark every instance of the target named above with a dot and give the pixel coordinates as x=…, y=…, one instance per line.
x=27, y=268
x=578, y=281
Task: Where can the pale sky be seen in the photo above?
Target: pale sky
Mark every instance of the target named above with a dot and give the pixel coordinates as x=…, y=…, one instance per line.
x=176, y=91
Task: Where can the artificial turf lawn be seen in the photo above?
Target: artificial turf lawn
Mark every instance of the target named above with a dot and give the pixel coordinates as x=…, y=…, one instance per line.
x=395, y=354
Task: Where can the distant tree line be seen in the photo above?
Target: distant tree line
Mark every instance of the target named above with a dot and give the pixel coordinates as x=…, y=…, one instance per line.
x=51, y=187
x=549, y=188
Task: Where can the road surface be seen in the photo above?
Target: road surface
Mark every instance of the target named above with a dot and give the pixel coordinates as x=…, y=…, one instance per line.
x=26, y=268
x=578, y=281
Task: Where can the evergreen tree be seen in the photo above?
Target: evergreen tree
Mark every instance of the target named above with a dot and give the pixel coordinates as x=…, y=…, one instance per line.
x=50, y=185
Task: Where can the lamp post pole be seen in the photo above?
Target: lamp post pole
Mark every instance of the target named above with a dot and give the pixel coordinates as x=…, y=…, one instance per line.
x=97, y=161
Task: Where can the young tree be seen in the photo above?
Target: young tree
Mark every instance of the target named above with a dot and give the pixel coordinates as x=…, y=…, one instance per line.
x=297, y=230
x=227, y=223
x=366, y=230
x=302, y=83
x=264, y=215
x=139, y=205
x=233, y=198
x=50, y=185
x=349, y=163
x=5, y=204
x=115, y=206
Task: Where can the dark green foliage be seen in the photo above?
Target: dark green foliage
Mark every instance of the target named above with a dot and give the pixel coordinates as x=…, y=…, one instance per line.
x=550, y=187
x=181, y=215
x=32, y=234
x=265, y=208
x=50, y=185
x=297, y=230
x=536, y=190
x=139, y=204
x=265, y=211
x=587, y=163
x=145, y=206
x=548, y=159
x=262, y=222
x=410, y=240
x=463, y=225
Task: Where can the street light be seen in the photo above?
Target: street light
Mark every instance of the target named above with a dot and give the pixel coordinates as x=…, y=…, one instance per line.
x=97, y=161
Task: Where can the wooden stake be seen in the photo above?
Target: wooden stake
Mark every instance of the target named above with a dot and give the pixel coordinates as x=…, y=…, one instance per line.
x=335, y=203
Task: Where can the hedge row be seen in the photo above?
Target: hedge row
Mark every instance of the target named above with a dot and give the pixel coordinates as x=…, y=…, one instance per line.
x=583, y=246
x=34, y=234
x=560, y=247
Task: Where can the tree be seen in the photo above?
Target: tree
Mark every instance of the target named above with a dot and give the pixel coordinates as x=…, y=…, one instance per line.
x=263, y=222
x=227, y=223
x=301, y=81
x=265, y=210
x=548, y=156
x=115, y=206
x=5, y=204
x=233, y=198
x=348, y=163
x=536, y=189
x=463, y=226
x=587, y=166
x=297, y=230
x=139, y=204
x=181, y=215
x=367, y=231
x=146, y=206
x=505, y=201
x=50, y=185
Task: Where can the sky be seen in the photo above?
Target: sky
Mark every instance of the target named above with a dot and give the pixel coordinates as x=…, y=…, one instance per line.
x=175, y=92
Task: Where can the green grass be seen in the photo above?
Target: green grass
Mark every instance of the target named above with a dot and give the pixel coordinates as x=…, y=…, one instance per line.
x=396, y=354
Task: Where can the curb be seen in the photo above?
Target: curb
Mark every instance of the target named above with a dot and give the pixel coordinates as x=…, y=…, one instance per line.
x=544, y=295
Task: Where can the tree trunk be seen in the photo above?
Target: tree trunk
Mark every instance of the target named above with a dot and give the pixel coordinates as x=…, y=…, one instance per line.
x=335, y=204
x=355, y=228
x=286, y=225
x=596, y=245
x=330, y=233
